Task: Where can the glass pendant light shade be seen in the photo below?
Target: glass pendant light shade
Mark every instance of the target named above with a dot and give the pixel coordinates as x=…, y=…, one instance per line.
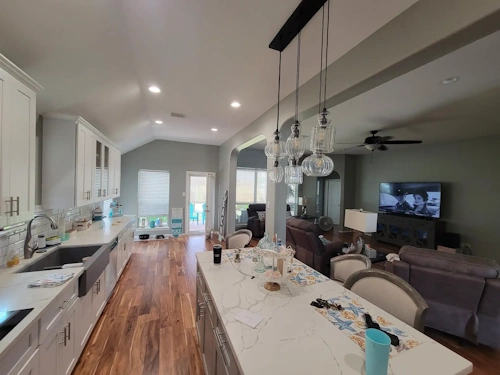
x=323, y=134
x=276, y=148
x=293, y=173
x=294, y=146
x=318, y=165
x=275, y=173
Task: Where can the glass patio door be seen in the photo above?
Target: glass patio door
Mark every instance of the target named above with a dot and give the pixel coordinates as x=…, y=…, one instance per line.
x=199, y=202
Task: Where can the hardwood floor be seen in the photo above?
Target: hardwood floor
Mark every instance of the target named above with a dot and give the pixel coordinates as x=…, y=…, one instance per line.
x=148, y=326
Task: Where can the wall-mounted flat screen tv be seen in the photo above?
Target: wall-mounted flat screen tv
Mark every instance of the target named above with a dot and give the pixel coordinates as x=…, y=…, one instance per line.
x=411, y=198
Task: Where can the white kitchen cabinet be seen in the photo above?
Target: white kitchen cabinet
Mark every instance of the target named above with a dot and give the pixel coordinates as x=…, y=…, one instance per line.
x=86, y=322
x=57, y=352
x=17, y=143
x=32, y=367
x=116, y=157
x=79, y=172
x=98, y=296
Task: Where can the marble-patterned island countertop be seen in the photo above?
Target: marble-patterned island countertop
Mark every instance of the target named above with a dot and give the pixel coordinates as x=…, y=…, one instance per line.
x=14, y=291
x=294, y=338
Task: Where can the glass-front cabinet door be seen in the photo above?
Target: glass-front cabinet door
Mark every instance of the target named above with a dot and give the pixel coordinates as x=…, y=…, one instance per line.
x=105, y=173
x=98, y=170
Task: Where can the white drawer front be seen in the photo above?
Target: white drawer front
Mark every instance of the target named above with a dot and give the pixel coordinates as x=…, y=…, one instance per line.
x=55, y=311
x=17, y=357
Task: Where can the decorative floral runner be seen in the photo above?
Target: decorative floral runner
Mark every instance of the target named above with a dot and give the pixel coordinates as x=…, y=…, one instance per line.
x=303, y=275
x=351, y=322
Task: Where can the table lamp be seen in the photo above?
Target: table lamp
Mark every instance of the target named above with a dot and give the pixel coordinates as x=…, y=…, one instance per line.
x=362, y=222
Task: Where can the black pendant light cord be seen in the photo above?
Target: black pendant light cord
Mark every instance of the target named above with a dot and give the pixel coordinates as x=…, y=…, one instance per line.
x=326, y=52
x=297, y=81
x=321, y=60
x=279, y=88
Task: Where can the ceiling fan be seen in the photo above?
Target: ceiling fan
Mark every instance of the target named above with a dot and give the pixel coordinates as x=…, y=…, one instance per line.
x=375, y=142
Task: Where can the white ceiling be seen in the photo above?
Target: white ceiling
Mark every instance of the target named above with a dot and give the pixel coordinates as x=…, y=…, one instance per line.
x=97, y=58
x=417, y=106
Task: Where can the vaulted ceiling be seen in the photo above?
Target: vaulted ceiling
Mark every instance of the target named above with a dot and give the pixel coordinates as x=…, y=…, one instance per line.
x=97, y=59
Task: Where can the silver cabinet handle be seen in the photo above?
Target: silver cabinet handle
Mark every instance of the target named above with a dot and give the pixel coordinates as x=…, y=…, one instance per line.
x=65, y=305
x=64, y=336
x=17, y=200
x=11, y=202
x=221, y=342
x=69, y=330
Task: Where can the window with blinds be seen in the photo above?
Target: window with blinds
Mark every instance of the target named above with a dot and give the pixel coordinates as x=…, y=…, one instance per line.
x=153, y=198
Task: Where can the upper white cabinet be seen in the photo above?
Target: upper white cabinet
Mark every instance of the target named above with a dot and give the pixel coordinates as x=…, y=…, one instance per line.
x=17, y=143
x=76, y=163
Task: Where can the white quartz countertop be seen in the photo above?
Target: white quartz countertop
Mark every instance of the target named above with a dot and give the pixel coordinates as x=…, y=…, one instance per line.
x=293, y=338
x=14, y=291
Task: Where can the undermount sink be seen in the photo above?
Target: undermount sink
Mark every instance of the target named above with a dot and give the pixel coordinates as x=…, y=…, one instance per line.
x=93, y=267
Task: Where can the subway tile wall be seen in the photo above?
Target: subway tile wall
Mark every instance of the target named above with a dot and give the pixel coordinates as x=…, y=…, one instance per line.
x=12, y=241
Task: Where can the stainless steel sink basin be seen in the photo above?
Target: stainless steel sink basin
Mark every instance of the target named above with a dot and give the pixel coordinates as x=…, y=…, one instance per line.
x=93, y=267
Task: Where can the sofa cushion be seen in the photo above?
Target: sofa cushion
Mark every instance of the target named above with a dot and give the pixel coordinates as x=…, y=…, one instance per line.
x=449, y=262
x=303, y=225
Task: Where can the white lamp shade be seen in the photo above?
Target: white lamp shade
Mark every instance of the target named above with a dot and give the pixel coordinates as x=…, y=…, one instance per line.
x=364, y=221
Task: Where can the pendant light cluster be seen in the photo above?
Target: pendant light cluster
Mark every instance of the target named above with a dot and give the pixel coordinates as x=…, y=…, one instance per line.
x=323, y=134
x=322, y=137
x=275, y=149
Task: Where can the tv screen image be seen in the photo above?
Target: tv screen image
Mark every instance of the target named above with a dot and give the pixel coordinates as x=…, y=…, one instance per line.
x=411, y=198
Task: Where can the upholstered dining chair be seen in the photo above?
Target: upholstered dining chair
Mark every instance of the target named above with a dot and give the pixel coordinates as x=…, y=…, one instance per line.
x=391, y=293
x=240, y=238
x=343, y=266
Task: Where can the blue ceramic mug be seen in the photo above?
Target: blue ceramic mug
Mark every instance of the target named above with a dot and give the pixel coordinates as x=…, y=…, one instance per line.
x=377, y=349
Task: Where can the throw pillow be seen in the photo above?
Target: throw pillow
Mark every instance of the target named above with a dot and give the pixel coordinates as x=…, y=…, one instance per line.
x=262, y=215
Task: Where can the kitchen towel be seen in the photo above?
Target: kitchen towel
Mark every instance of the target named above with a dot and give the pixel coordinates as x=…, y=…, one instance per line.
x=51, y=280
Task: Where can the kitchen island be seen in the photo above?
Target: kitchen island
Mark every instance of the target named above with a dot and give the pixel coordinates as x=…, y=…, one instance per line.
x=293, y=337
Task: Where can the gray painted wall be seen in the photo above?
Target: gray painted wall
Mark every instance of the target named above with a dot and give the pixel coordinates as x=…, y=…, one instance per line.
x=469, y=171
x=252, y=158
x=175, y=157
x=445, y=29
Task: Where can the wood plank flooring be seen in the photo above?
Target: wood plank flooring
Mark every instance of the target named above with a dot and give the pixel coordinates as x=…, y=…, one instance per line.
x=148, y=326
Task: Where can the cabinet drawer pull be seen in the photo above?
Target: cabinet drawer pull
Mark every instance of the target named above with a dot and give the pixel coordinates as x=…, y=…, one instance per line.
x=69, y=330
x=221, y=342
x=65, y=305
x=17, y=211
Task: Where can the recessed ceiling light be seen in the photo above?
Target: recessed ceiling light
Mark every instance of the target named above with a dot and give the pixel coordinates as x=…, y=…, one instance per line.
x=154, y=89
x=447, y=81
x=158, y=122
x=235, y=104
x=214, y=129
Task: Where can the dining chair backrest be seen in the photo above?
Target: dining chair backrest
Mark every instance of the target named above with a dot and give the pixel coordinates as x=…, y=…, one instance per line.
x=343, y=266
x=390, y=293
x=240, y=238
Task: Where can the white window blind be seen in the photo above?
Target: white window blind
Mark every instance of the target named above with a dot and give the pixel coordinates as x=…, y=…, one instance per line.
x=154, y=192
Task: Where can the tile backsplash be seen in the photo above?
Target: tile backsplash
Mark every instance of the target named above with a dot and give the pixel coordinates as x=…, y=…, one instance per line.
x=12, y=240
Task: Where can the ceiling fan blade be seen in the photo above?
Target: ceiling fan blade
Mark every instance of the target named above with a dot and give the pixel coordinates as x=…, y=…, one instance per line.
x=400, y=142
x=348, y=148
x=383, y=148
x=348, y=143
x=384, y=139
